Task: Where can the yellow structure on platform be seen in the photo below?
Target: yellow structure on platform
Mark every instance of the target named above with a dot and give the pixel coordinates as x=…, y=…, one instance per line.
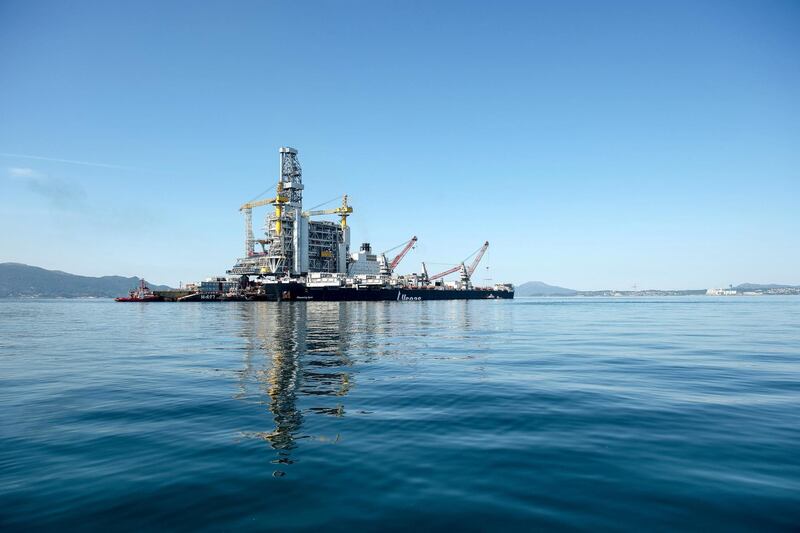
x=343, y=211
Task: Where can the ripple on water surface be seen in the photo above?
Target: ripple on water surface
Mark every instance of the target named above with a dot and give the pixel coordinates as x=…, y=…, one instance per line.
x=590, y=413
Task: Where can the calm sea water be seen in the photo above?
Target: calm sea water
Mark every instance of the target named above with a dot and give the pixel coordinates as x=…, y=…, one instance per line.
x=532, y=413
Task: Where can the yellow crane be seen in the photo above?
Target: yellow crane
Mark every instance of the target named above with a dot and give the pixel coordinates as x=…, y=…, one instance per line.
x=248, y=217
x=343, y=211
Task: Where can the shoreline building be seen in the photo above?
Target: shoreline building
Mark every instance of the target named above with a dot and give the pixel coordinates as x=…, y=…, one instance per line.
x=721, y=292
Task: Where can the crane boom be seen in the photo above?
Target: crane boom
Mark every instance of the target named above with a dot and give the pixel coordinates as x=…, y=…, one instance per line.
x=265, y=201
x=446, y=272
x=466, y=271
x=399, y=257
x=474, y=265
x=343, y=211
x=249, y=239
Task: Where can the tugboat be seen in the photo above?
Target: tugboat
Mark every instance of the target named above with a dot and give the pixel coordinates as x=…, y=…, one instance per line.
x=140, y=294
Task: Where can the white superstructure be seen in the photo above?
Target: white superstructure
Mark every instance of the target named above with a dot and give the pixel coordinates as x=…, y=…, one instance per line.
x=364, y=262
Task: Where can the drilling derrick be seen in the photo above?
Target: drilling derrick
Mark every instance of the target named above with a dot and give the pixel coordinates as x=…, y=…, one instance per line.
x=287, y=229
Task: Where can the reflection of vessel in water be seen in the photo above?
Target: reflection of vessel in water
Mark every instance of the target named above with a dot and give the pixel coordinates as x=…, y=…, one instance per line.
x=140, y=294
x=305, y=259
x=297, y=357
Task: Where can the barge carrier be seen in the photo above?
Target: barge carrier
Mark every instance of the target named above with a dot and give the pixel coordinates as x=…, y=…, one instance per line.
x=303, y=259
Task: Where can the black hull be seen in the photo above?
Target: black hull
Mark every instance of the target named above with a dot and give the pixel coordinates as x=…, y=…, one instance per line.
x=300, y=292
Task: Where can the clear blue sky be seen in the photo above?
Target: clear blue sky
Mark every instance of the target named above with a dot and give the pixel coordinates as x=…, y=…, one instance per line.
x=594, y=144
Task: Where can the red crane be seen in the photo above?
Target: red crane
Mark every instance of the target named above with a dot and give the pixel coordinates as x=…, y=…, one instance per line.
x=399, y=257
x=389, y=266
x=474, y=265
x=468, y=271
x=446, y=272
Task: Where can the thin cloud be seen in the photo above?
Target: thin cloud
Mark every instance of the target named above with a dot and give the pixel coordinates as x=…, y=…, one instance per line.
x=22, y=172
x=70, y=161
x=57, y=192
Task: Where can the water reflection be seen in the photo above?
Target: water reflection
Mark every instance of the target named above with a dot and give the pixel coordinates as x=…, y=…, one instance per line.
x=296, y=355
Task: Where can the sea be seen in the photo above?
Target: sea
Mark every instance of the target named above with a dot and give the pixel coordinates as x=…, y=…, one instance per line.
x=673, y=413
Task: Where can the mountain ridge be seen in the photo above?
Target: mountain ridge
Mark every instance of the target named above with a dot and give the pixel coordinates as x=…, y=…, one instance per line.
x=27, y=281
x=539, y=288
x=752, y=286
x=18, y=280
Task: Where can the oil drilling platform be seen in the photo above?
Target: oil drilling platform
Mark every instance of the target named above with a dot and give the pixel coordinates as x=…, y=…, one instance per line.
x=299, y=258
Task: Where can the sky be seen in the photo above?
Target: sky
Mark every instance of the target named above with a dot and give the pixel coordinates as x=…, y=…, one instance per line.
x=596, y=145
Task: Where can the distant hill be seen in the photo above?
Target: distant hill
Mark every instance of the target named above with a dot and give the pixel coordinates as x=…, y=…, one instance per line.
x=757, y=286
x=537, y=288
x=18, y=280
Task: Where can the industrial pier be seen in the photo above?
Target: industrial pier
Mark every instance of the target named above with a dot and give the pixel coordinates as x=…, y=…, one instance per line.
x=299, y=258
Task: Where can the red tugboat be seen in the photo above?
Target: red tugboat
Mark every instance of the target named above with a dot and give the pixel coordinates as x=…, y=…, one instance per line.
x=140, y=294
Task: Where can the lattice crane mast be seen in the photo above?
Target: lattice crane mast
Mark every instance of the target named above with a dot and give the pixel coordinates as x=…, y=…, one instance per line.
x=247, y=209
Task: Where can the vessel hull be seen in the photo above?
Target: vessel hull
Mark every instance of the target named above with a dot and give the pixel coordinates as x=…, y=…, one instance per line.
x=294, y=292
x=301, y=292
x=136, y=299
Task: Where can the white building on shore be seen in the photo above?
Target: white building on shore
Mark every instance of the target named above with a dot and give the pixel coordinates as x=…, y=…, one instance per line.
x=721, y=292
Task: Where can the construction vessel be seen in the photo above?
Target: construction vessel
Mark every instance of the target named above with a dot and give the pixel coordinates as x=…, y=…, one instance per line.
x=299, y=258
